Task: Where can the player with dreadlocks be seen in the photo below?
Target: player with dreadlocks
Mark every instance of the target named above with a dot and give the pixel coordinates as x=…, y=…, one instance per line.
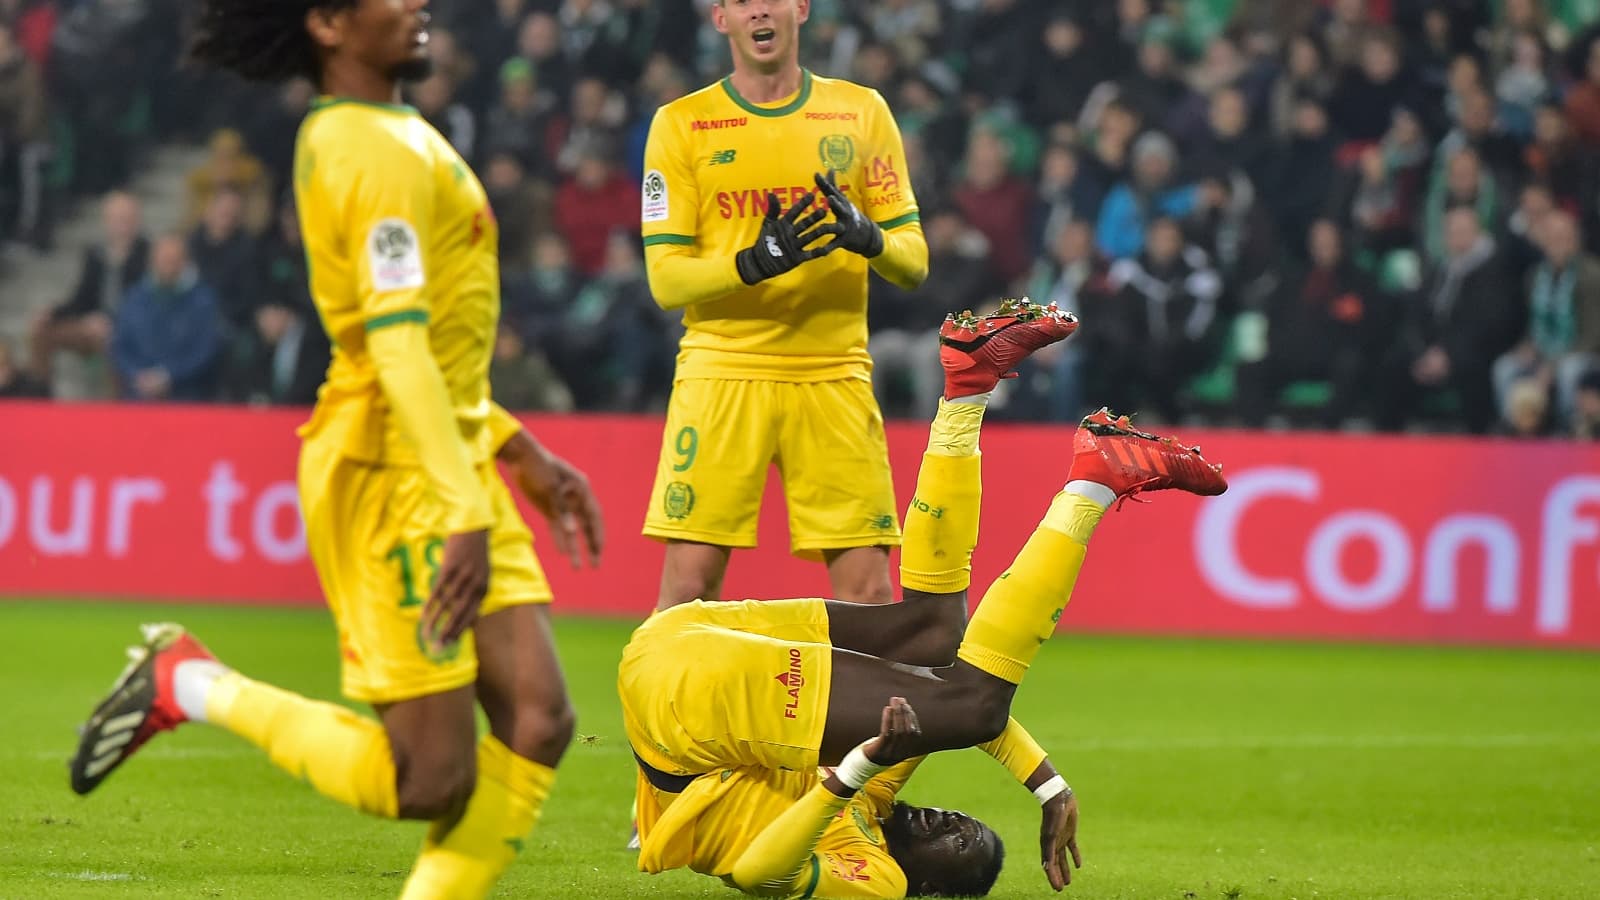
x=426, y=563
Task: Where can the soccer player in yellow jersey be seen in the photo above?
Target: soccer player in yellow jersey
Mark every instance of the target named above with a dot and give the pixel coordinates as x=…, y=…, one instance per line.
x=730, y=708
x=440, y=603
x=740, y=180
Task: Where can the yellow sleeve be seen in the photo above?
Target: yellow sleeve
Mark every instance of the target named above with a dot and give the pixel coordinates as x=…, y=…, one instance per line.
x=679, y=278
x=783, y=855
x=880, y=791
x=1016, y=749
x=389, y=208
x=669, y=220
x=862, y=870
x=890, y=202
x=502, y=426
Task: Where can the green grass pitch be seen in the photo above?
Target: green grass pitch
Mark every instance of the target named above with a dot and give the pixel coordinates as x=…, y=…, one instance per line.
x=1205, y=770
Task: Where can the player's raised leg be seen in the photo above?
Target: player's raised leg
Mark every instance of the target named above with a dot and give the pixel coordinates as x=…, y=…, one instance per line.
x=941, y=522
x=968, y=702
x=172, y=679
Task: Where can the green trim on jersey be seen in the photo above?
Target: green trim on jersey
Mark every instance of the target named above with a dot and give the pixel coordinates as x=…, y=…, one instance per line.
x=816, y=876
x=772, y=112
x=322, y=103
x=897, y=221
x=399, y=317
x=686, y=240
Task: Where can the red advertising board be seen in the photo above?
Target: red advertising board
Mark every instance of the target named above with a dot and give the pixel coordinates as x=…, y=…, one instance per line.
x=1386, y=538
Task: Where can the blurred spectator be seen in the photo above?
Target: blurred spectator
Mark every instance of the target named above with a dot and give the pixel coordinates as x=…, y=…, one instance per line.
x=1522, y=248
x=271, y=128
x=1525, y=83
x=1306, y=73
x=540, y=45
x=1162, y=318
x=595, y=116
x=911, y=27
x=906, y=374
x=1154, y=88
x=1586, y=415
x=1527, y=409
x=1367, y=94
x=535, y=302
x=522, y=206
x=281, y=361
x=596, y=201
x=1477, y=127
x=997, y=203
x=1583, y=100
x=492, y=39
x=24, y=143
x=15, y=382
x=1129, y=207
x=618, y=345
x=283, y=274
x=1065, y=195
x=226, y=258
x=1461, y=183
x=111, y=266
x=435, y=100
x=520, y=123
x=229, y=166
x=1553, y=157
x=1386, y=194
x=1228, y=143
x=1465, y=316
x=1064, y=76
x=1321, y=327
x=1074, y=276
x=168, y=333
x=522, y=379
x=1563, y=332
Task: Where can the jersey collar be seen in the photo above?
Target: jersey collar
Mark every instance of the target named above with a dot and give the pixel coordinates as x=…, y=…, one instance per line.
x=325, y=101
x=770, y=112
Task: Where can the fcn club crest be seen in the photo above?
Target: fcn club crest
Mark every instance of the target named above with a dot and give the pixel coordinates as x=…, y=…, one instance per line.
x=838, y=151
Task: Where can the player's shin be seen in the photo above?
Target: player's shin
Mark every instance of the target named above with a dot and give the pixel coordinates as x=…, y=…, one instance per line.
x=343, y=755
x=941, y=525
x=1020, y=610
x=462, y=859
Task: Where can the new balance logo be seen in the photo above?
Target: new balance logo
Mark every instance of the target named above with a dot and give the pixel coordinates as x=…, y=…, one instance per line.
x=722, y=157
x=773, y=248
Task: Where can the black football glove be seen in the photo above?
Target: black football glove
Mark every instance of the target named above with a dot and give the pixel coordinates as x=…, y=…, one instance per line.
x=858, y=233
x=784, y=241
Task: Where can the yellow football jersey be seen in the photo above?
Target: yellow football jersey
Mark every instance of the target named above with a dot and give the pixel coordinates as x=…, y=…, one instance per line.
x=709, y=825
x=397, y=230
x=710, y=161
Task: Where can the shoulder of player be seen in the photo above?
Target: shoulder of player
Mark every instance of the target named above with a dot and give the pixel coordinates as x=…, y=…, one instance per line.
x=361, y=135
x=824, y=88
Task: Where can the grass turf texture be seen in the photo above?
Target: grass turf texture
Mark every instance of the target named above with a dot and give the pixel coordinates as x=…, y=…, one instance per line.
x=1205, y=770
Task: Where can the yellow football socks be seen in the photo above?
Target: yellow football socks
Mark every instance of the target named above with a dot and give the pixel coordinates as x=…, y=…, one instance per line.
x=462, y=860
x=1020, y=610
x=340, y=753
x=941, y=527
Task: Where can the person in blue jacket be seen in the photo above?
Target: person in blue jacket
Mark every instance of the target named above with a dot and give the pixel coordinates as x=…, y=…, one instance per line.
x=168, y=333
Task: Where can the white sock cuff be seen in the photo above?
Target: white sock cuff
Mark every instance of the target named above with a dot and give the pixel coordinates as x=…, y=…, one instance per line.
x=1093, y=491
x=191, y=685
x=981, y=399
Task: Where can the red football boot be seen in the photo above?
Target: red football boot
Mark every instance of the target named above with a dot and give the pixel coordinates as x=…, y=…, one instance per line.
x=978, y=351
x=140, y=706
x=1110, y=451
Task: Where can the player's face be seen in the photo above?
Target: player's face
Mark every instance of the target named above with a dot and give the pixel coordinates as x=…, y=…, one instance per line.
x=764, y=34
x=390, y=36
x=938, y=849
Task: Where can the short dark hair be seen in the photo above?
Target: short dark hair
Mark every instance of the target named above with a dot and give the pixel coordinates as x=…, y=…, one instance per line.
x=261, y=40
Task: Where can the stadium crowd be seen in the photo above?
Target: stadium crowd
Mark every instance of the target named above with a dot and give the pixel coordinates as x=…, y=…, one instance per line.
x=1266, y=211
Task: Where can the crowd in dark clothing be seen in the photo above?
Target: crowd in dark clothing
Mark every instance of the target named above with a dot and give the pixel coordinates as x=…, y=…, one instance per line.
x=1265, y=211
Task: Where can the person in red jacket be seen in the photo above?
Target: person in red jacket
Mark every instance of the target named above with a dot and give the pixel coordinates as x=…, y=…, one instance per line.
x=597, y=200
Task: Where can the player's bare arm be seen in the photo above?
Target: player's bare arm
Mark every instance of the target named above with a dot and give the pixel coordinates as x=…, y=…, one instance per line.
x=561, y=493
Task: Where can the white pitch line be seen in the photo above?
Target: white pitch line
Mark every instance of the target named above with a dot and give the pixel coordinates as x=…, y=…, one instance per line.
x=95, y=876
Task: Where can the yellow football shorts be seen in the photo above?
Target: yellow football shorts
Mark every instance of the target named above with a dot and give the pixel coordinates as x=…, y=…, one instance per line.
x=826, y=439
x=707, y=686
x=374, y=537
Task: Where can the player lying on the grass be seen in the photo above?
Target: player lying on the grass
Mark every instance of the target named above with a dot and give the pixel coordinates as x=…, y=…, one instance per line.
x=731, y=707
x=425, y=561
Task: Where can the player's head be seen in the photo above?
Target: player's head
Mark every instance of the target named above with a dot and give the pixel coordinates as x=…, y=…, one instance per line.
x=764, y=35
x=275, y=40
x=943, y=853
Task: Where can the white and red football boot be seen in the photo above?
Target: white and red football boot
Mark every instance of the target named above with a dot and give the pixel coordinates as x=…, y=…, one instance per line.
x=140, y=705
x=1108, y=450
x=978, y=351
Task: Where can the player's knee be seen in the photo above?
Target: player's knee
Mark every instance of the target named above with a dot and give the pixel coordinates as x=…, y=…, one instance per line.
x=543, y=730
x=434, y=788
x=989, y=721
x=687, y=586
